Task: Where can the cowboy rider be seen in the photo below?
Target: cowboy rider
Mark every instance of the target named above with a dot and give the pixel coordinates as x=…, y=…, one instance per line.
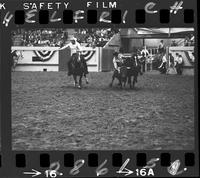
x=143, y=59
x=75, y=47
x=117, y=61
x=163, y=67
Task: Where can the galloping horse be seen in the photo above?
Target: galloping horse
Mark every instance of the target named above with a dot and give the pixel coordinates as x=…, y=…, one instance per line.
x=78, y=69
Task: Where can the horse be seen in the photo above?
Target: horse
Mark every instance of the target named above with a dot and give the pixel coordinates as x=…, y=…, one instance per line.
x=78, y=69
x=121, y=75
x=133, y=69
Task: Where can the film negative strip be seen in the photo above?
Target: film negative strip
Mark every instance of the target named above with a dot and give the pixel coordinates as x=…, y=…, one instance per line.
x=99, y=88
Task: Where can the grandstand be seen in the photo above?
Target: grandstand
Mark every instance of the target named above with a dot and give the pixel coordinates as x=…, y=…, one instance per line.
x=58, y=37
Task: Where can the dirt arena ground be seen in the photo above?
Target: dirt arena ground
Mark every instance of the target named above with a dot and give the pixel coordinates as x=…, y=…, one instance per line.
x=48, y=113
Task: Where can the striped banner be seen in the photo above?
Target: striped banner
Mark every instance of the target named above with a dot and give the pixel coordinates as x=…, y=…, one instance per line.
x=44, y=55
x=190, y=56
x=88, y=54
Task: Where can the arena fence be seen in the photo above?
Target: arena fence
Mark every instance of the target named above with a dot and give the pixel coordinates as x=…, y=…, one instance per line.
x=98, y=59
x=51, y=59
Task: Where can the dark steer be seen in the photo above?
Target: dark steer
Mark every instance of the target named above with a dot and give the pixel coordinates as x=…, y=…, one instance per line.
x=121, y=76
x=133, y=70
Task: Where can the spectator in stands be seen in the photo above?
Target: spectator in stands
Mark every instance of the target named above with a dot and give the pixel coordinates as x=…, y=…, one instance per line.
x=33, y=37
x=186, y=41
x=173, y=43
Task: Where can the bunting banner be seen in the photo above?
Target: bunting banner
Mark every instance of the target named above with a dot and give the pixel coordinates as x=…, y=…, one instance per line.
x=44, y=55
x=88, y=55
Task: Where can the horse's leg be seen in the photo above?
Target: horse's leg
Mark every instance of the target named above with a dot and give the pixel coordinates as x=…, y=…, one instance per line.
x=120, y=83
x=75, y=80
x=129, y=81
x=111, y=84
x=125, y=82
x=113, y=78
x=80, y=82
x=134, y=80
x=135, y=76
x=86, y=79
x=129, y=78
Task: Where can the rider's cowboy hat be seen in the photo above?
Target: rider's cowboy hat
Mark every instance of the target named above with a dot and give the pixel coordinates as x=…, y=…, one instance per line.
x=115, y=53
x=120, y=55
x=73, y=39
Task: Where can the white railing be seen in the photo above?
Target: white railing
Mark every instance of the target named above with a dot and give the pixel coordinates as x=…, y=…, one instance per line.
x=34, y=48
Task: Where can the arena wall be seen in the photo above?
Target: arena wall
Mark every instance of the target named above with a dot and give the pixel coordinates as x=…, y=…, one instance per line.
x=64, y=57
x=51, y=59
x=47, y=60
x=107, y=60
x=98, y=59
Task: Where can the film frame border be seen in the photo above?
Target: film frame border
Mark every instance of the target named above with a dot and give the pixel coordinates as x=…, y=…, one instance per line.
x=53, y=154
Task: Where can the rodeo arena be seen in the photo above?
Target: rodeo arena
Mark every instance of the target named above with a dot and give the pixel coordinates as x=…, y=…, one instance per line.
x=103, y=89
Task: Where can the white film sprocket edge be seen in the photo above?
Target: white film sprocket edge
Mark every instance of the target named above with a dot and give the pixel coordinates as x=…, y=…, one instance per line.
x=99, y=88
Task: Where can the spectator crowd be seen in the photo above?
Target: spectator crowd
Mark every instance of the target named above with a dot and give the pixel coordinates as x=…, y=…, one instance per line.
x=95, y=37
x=41, y=37
x=59, y=37
x=188, y=41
